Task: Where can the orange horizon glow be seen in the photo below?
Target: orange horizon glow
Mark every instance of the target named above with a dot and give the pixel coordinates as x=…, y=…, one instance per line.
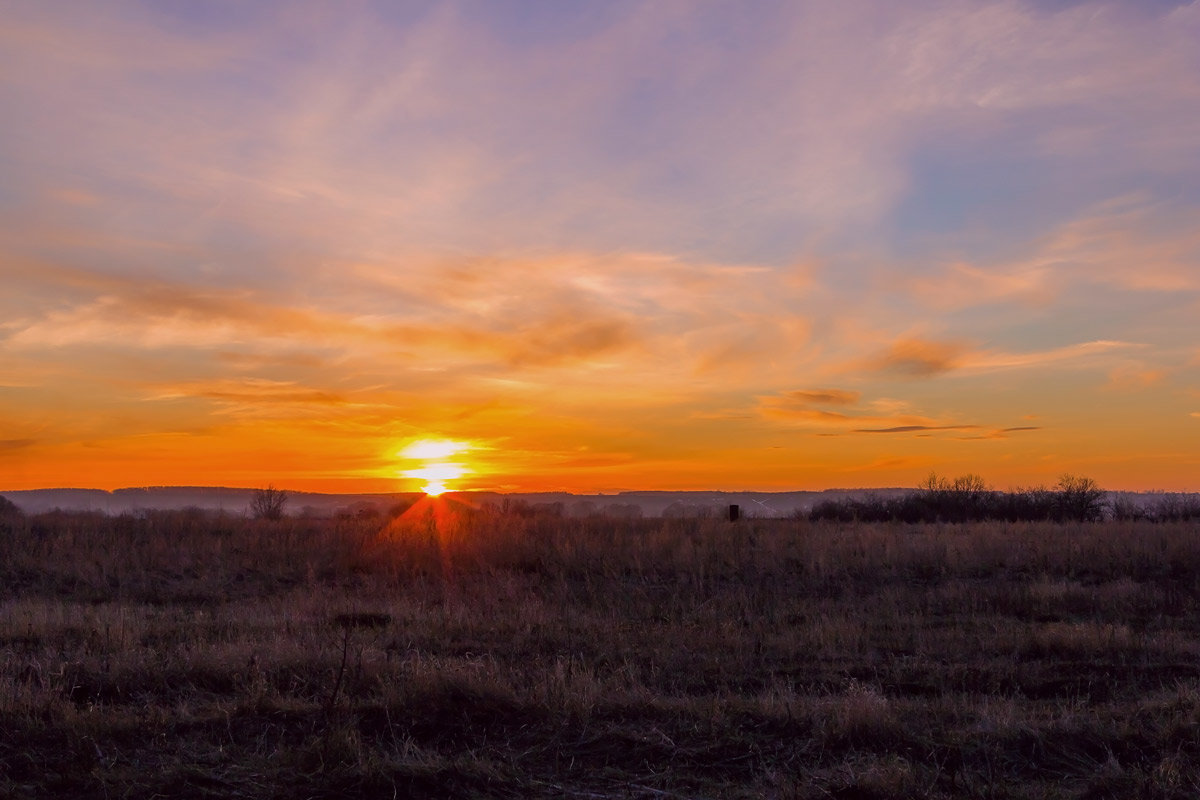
x=746, y=468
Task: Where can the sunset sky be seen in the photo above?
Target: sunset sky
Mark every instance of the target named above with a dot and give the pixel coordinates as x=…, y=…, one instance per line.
x=599, y=245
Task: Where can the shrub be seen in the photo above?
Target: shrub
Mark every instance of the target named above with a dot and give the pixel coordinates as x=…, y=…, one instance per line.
x=268, y=503
x=1080, y=499
x=1177, y=508
x=1125, y=509
x=968, y=499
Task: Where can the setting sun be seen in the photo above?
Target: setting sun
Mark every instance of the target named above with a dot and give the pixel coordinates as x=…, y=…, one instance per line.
x=435, y=472
x=436, y=476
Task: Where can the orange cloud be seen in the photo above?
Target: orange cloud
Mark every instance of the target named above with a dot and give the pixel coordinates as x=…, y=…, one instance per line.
x=916, y=428
x=925, y=358
x=962, y=285
x=747, y=341
x=919, y=358
x=797, y=406
x=1083, y=352
x=158, y=315
x=569, y=339
x=925, y=430
x=260, y=361
x=250, y=393
x=827, y=397
x=1002, y=433
x=1100, y=247
x=1162, y=242
x=1135, y=377
x=780, y=410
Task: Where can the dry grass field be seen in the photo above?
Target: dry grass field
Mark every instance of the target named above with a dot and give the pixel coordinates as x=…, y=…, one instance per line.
x=451, y=653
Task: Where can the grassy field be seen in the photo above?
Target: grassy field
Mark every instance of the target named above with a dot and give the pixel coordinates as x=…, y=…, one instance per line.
x=449, y=653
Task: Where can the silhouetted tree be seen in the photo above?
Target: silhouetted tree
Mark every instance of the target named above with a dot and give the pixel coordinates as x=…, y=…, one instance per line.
x=1080, y=498
x=268, y=503
x=1034, y=504
x=968, y=499
x=1126, y=509
x=965, y=498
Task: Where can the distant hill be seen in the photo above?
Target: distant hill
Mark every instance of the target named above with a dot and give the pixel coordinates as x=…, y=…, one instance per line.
x=237, y=501
x=209, y=498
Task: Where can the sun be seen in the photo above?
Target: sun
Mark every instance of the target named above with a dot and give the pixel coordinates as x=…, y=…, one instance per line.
x=435, y=469
x=437, y=476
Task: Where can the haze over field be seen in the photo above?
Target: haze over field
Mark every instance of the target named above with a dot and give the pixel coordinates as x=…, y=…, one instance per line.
x=541, y=246
x=623, y=505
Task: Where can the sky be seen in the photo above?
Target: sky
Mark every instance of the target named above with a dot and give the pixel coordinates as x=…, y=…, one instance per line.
x=599, y=246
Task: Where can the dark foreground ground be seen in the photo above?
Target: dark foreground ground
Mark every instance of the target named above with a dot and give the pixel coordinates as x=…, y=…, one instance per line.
x=453, y=654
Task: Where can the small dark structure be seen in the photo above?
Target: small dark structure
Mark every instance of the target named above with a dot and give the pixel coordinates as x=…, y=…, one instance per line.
x=734, y=512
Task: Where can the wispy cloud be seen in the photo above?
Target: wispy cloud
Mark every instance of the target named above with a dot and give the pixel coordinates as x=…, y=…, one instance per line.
x=919, y=358
x=1132, y=376
x=144, y=315
x=915, y=428
x=1001, y=433
x=977, y=432
x=928, y=358
x=250, y=391
x=1133, y=243
x=824, y=397
x=1081, y=352
x=802, y=407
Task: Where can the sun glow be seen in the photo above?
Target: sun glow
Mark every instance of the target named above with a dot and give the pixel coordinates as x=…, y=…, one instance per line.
x=432, y=449
x=435, y=471
x=436, y=476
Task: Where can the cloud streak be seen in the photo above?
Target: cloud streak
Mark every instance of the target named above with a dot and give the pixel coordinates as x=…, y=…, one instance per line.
x=919, y=358
x=917, y=428
x=803, y=407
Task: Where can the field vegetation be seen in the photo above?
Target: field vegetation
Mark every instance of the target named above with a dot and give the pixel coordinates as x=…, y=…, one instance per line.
x=969, y=499
x=451, y=652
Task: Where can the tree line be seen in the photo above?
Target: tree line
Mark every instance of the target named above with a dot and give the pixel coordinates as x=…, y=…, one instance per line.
x=969, y=499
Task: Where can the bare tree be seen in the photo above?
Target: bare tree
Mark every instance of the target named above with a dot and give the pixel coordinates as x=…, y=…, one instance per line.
x=1080, y=498
x=268, y=503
